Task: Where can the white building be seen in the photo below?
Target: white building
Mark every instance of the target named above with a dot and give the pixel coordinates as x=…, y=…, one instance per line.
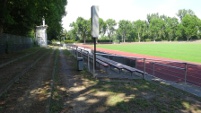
x=41, y=34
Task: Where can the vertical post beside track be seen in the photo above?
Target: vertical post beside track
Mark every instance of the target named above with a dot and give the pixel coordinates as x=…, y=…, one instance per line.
x=153, y=69
x=144, y=67
x=88, y=62
x=186, y=71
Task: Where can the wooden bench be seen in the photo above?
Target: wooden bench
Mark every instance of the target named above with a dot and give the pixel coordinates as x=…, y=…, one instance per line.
x=99, y=62
x=105, y=62
x=111, y=63
x=120, y=66
x=132, y=70
x=105, y=65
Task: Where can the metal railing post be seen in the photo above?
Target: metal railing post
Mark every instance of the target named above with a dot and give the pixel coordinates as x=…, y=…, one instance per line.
x=136, y=63
x=76, y=51
x=81, y=53
x=153, y=69
x=186, y=71
x=144, y=67
x=88, y=62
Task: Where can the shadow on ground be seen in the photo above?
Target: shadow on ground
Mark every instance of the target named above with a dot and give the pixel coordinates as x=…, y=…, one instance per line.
x=87, y=94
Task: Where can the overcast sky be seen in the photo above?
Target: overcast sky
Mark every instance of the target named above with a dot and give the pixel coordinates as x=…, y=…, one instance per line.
x=127, y=9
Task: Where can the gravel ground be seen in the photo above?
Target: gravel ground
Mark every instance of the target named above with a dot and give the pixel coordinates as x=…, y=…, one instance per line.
x=31, y=92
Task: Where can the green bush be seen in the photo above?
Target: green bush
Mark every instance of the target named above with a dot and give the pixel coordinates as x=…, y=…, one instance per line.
x=69, y=41
x=87, y=41
x=147, y=40
x=106, y=40
x=54, y=41
x=99, y=41
x=158, y=39
x=116, y=41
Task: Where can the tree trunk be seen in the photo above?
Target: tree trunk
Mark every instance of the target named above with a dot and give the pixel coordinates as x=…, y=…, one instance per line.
x=155, y=36
x=122, y=38
x=170, y=37
x=138, y=36
x=109, y=37
x=84, y=38
x=1, y=28
x=3, y=8
x=188, y=38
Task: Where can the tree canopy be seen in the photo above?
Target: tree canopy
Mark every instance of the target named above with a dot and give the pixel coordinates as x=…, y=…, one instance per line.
x=110, y=27
x=20, y=17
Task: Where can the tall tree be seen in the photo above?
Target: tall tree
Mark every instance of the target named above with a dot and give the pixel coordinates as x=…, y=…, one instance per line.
x=125, y=28
x=183, y=12
x=191, y=25
x=102, y=27
x=140, y=27
x=180, y=32
x=170, y=27
x=152, y=16
x=157, y=25
x=83, y=27
x=156, y=28
x=110, y=27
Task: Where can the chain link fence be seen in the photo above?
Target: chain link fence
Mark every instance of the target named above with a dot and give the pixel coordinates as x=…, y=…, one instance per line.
x=11, y=43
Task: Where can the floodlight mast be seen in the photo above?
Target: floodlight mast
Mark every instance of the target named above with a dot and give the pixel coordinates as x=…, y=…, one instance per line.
x=94, y=31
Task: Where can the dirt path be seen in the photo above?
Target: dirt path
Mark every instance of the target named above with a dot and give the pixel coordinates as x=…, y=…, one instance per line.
x=71, y=81
x=10, y=71
x=79, y=99
x=13, y=56
x=30, y=94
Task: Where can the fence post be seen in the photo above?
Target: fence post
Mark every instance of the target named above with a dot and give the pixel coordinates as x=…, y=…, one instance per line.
x=76, y=51
x=153, y=69
x=88, y=62
x=81, y=53
x=144, y=67
x=136, y=63
x=186, y=71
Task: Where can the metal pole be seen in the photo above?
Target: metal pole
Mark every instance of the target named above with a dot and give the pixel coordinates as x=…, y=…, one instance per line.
x=95, y=52
x=94, y=59
x=81, y=53
x=76, y=51
x=186, y=71
x=153, y=69
x=88, y=62
x=136, y=63
x=144, y=67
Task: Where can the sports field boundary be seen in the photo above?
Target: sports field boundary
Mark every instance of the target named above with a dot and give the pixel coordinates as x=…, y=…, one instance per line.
x=187, y=72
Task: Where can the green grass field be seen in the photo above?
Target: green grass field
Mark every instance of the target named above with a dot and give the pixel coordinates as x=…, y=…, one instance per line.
x=186, y=51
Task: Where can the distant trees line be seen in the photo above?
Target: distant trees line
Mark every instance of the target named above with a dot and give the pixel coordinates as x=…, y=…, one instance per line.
x=156, y=28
